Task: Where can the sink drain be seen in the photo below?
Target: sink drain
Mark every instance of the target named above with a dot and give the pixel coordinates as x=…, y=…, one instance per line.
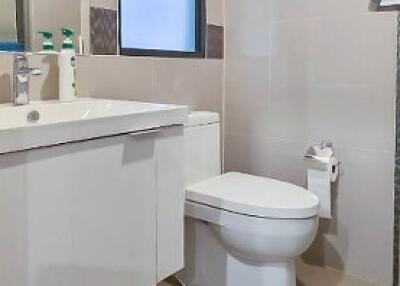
x=33, y=116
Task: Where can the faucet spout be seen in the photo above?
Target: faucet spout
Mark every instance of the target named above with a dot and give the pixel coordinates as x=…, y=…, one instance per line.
x=22, y=73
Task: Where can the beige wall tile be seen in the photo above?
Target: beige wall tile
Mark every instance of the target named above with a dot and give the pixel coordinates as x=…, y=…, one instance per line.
x=193, y=82
x=289, y=80
x=215, y=13
x=128, y=78
x=353, y=116
x=6, y=77
x=358, y=52
x=247, y=73
x=44, y=87
x=246, y=154
x=349, y=8
x=290, y=10
x=245, y=77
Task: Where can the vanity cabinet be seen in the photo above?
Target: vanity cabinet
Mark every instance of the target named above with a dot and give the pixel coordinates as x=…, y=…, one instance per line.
x=106, y=211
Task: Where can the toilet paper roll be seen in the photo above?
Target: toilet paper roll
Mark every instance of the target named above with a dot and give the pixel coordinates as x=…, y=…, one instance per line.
x=319, y=182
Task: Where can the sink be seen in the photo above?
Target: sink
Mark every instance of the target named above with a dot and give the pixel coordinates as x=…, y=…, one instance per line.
x=46, y=123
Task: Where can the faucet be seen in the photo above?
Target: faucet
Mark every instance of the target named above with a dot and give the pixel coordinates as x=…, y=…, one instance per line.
x=22, y=73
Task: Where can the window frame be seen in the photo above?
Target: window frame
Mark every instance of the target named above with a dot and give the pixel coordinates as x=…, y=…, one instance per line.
x=200, y=39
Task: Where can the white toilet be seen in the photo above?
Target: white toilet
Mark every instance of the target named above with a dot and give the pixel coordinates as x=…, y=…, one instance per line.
x=240, y=229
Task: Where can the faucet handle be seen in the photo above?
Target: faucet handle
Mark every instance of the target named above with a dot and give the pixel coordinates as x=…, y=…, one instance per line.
x=35, y=71
x=22, y=65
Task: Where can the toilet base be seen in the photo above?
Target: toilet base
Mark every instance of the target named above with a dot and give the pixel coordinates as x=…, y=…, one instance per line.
x=275, y=274
x=209, y=264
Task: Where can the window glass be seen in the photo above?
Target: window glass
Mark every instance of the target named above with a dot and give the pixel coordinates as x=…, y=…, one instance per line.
x=166, y=25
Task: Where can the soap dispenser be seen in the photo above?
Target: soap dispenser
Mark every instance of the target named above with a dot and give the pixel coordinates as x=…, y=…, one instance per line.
x=66, y=63
x=47, y=46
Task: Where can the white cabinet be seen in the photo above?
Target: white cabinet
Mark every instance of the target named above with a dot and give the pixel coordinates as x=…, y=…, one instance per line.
x=171, y=197
x=86, y=213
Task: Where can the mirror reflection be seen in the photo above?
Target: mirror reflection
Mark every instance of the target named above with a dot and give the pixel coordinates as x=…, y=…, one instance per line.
x=22, y=20
x=12, y=25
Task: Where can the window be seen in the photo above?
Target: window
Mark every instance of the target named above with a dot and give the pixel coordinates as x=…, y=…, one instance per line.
x=162, y=28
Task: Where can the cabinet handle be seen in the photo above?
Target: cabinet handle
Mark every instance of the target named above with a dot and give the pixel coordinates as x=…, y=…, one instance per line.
x=144, y=132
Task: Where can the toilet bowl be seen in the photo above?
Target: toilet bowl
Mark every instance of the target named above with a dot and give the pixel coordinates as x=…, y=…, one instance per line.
x=240, y=229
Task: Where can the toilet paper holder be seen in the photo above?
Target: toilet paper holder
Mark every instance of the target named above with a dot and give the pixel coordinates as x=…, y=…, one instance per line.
x=322, y=171
x=322, y=157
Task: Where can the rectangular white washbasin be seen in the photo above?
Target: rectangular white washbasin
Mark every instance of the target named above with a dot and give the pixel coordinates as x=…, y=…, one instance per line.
x=53, y=122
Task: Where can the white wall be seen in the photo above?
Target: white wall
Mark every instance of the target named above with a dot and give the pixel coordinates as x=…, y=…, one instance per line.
x=302, y=71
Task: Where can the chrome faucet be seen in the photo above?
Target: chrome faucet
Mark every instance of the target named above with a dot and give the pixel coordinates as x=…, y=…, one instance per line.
x=22, y=73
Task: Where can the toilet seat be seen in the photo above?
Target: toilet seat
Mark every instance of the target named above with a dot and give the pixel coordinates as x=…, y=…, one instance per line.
x=254, y=196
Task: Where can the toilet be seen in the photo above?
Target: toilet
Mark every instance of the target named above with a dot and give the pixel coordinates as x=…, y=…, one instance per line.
x=240, y=229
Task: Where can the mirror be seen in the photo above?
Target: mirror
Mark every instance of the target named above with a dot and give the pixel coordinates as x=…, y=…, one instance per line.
x=94, y=21
x=12, y=25
x=20, y=21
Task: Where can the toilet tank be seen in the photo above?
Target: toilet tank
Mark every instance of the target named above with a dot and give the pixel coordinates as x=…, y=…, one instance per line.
x=202, y=148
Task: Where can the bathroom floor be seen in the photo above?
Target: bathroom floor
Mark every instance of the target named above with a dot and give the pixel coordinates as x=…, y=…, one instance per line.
x=309, y=275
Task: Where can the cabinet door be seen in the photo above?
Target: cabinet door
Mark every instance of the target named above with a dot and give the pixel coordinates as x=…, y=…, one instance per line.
x=171, y=200
x=80, y=214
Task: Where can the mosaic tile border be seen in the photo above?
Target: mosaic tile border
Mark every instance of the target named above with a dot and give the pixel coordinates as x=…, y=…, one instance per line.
x=103, y=31
x=215, y=42
x=396, y=242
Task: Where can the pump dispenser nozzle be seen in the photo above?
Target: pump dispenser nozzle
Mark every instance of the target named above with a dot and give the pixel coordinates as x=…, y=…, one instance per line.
x=47, y=41
x=67, y=43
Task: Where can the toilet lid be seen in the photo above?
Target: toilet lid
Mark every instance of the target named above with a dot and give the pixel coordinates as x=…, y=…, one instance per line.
x=255, y=196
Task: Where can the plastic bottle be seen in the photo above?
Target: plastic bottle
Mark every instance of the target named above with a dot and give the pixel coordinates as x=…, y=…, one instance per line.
x=66, y=63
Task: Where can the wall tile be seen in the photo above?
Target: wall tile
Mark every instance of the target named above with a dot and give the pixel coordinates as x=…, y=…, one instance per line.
x=103, y=31
x=286, y=161
x=352, y=116
x=354, y=55
x=6, y=77
x=247, y=67
x=215, y=42
x=246, y=154
x=289, y=10
x=245, y=77
x=197, y=83
x=115, y=77
x=349, y=8
x=289, y=80
x=215, y=13
x=44, y=87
